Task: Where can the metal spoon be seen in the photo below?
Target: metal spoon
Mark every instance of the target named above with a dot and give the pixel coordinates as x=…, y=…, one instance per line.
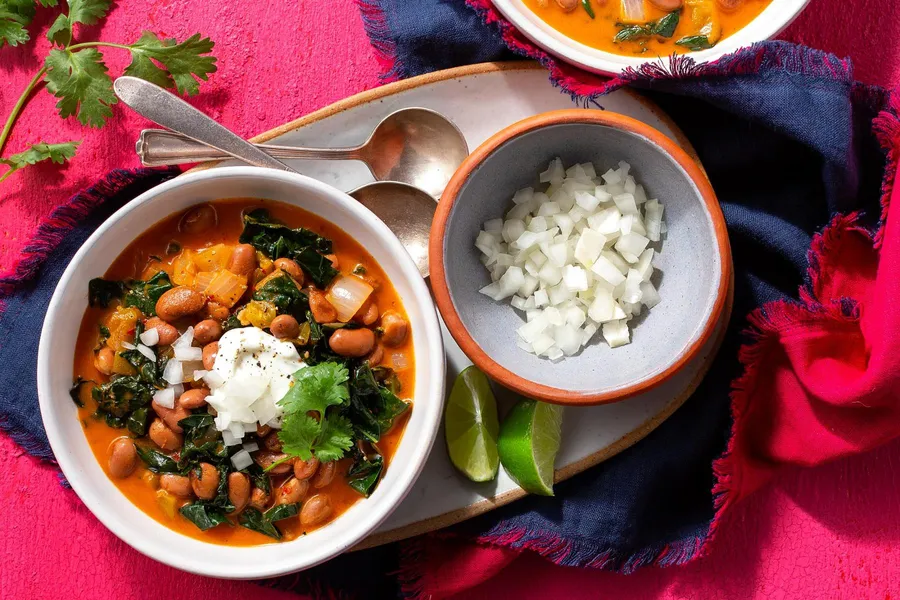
x=412, y=145
x=406, y=210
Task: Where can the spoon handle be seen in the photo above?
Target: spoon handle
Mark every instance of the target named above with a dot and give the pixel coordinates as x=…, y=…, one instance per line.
x=168, y=110
x=158, y=147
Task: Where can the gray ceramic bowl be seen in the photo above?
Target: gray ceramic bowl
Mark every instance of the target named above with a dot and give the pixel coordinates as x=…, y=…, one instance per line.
x=694, y=263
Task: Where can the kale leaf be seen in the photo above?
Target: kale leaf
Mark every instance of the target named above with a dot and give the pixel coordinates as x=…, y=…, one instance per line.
x=75, y=391
x=363, y=474
x=139, y=421
x=121, y=395
x=282, y=291
x=263, y=523
x=156, y=461
x=695, y=42
x=103, y=291
x=301, y=245
x=373, y=407
x=203, y=515
x=144, y=294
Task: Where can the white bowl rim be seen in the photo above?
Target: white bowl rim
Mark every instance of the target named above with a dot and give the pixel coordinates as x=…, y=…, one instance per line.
x=425, y=438
x=769, y=23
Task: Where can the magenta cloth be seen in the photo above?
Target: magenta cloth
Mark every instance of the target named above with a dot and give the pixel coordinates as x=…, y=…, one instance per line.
x=826, y=532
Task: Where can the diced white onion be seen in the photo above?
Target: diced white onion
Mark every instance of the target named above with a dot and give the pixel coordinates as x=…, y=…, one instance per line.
x=251, y=446
x=347, y=294
x=174, y=371
x=165, y=397
x=185, y=339
x=575, y=258
x=241, y=459
x=150, y=337
x=147, y=352
x=128, y=345
x=188, y=354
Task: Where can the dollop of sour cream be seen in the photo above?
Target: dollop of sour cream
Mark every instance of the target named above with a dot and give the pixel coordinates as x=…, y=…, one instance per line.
x=252, y=372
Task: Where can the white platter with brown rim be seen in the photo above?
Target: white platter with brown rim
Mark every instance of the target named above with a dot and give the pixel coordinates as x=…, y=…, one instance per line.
x=481, y=100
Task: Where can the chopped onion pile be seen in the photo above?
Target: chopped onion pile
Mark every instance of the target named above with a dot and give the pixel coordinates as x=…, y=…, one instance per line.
x=576, y=258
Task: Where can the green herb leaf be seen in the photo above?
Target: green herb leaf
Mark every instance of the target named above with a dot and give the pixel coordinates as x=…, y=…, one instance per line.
x=57, y=153
x=139, y=422
x=156, y=461
x=364, y=473
x=280, y=512
x=317, y=388
x=335, y=438
x=15, y=16
x=373, y=407
x=121, y=395
x=586, y=5
x=695, y=42
x=181, y=62
x=255, y=520
x=103, y=291
x=298, y=435
x=203, y=515
x=144, y=294
x=665, y=26
x=81, y=82
x=303, y=246
x=282, y=291
x=75, y=391
x=60, y=32
x=631, y=32
x=88, y=12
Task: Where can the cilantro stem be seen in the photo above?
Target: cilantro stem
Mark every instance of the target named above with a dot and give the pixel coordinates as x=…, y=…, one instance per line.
x=274, y=464
x=20, y=104
x=97, y=45
x=8, y=173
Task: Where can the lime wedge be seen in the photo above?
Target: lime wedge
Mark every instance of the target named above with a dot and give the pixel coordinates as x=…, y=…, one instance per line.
x=529, y=441
x=470, y=424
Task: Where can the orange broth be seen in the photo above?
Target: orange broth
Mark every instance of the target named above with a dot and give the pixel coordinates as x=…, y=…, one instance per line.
x=599, y=32
x=141, y=486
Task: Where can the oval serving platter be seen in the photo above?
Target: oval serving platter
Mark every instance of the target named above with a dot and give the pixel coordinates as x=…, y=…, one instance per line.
x=481, y=100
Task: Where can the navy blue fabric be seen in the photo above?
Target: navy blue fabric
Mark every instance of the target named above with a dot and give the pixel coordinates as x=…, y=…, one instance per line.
x=786, y=144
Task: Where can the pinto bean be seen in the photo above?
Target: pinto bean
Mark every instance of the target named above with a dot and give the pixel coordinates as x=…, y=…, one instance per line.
x=291, y=491
x=243, y=260
x=315, y=510
x=324, y=475
x=285, y=327
x=567, y=5
x=104, y=360
x=367, y=314
x=291, y=268
x=194, y=398
x=198, y=219
x=263, y=430
x=321, y=308
x=304, y=469
x=206, y=331
x=376, y=355
x=206, y=482
x=667, y=5
x=171, y=416
x=122, y=458
x=272, y=443
x=238, y=490
x=395, y=328
x=352, y=342
x=177, y=485
x=167, y=333
x=164, y=437
x=179, y=302
x=216, y=311
x=259, y=498
x=266, y=458
x=209, y=355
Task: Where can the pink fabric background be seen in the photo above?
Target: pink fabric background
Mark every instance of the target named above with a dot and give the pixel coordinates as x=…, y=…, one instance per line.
x=830, y=532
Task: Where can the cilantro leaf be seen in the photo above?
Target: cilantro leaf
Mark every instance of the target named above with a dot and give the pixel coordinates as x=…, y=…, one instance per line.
x=316, y=388
x=61, y=31
x=335, y=438
x=15, y=16
x=48, y=3
x=88, y=12
x=325, y=434
x=58, y=153
x=81, y=82
x=181, y=62
x=298, y=435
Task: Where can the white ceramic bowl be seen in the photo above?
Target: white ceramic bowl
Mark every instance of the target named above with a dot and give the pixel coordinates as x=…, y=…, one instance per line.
x=55, y=365
x=768, y=24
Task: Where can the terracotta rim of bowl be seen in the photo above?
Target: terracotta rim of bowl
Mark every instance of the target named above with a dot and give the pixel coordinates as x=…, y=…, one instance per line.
x=442, y=293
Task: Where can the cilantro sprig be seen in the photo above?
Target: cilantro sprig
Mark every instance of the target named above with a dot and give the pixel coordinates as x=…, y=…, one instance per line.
x=313, y=424
x=76, y=74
